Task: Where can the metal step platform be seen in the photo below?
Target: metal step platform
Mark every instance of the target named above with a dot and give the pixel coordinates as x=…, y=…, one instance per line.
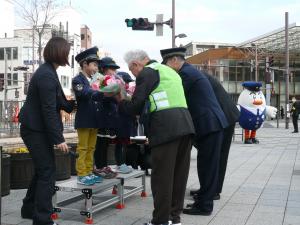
x=127, y=191
x=91, y=199
x=94, y=199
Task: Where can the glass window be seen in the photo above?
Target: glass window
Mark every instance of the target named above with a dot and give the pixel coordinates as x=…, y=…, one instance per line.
x=239, y=74
x=15, y=79
x=232, y=73
x=247, y=74
x=8, y=52
x=15, y=53
x=27, y=77
x=1, y=81
x=1, y=53
x=2, y=77
x=9, y=79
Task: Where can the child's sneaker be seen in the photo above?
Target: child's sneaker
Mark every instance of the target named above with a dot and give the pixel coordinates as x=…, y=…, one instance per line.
x=124, y=169
x=85, y=180
x=105, y=172
x=97, y=179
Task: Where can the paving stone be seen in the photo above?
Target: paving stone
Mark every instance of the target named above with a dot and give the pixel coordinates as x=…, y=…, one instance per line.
x=260, y=188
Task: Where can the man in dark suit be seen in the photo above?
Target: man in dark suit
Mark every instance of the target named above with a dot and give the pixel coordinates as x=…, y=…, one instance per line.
x=209, y=121
x=232, y=114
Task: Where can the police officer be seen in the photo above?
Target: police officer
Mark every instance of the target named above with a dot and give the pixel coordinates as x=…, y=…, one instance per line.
x=85, y=119
x=170, y=130
x=209, y=121
x=232, y=115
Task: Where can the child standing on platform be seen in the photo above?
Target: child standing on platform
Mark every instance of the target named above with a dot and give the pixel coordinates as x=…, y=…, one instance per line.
x=85, y=120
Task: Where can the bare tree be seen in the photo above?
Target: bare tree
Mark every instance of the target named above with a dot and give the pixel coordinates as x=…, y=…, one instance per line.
x=38, y=15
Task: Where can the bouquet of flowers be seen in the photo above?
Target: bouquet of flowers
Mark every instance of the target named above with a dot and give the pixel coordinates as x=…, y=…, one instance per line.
x=130, y=88
x=110, y=84
x=96, y=80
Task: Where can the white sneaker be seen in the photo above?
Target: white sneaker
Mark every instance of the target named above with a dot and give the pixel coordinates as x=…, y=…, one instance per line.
x=124, y=169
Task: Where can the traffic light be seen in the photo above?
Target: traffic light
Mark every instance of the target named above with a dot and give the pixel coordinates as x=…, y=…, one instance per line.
x=139, y=24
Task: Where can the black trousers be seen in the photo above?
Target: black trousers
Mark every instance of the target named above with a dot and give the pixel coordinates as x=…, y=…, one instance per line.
x=38, y=199
x=170, y=168
x=208, y=159
x=100, y=154
x=227, y=138
x=120, y=153
x=295, y=123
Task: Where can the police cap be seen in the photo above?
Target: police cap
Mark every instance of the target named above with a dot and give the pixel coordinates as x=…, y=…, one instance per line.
x=252, y=85
x=88, y=54
x=170, y=52
x=108, y=62
x=125, y=76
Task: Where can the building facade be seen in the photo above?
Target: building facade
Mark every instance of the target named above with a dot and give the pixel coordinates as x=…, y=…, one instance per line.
x=86, y=37
x=194, y=48
x=233, y=65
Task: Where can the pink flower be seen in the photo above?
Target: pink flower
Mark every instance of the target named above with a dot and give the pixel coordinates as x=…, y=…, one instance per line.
x=95, y=86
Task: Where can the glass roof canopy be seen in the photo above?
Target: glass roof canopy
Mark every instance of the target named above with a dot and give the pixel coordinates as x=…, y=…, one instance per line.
x=273, y=43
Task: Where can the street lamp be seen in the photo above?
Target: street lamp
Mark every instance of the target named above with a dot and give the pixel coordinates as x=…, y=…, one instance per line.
x=256, y=65
x=182, y=35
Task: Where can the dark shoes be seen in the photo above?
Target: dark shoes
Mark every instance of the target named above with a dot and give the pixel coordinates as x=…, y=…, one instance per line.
x=295, y=131
x=217, y=197
x=196, y=211
x=26, y=213
x=251, y=141
x=194, y=192
x=255, y=141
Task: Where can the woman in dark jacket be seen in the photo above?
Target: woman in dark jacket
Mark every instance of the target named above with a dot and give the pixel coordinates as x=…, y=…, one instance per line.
x=42, y=128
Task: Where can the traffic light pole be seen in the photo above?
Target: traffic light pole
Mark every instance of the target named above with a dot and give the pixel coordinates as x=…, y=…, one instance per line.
x=5, y=82
x=173, y=23
x=287, y=64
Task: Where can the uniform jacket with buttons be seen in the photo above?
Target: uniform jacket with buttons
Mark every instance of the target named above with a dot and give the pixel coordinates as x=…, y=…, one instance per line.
x=205, y=110
x=87, y=100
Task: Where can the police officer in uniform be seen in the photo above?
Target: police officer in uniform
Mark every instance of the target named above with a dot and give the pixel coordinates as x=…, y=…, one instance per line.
x=85, y=119
x=209, y=121
x=232, y=114
x=170, y=130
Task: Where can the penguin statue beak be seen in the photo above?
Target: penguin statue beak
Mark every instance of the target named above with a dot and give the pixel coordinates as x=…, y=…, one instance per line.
x=257, y=102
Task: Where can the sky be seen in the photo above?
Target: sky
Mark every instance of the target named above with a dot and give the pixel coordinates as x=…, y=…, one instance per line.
x=227, y=21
